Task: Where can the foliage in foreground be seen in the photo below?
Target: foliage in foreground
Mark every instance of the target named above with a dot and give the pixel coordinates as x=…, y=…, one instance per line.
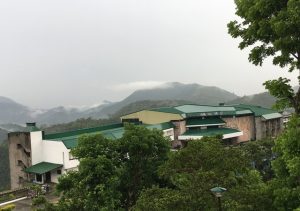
x=137, y=172
x=112, y=173
x=272, y=29
x=202, y=165
x=286, y=184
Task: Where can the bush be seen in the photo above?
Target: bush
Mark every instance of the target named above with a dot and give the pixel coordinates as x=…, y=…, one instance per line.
x=6, y=197
x=9, y=207
x=11, y=196
x=39, y=200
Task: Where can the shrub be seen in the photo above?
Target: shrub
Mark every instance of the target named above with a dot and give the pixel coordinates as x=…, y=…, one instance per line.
x=8, y=207
x=39, y=200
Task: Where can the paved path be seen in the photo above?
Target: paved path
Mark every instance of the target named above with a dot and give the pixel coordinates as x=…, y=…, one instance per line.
x=24, y=204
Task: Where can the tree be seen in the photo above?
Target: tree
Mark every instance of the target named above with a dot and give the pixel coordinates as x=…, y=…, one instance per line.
x=4, y=166
x=95, y=185
x=286, y=185
x=260, y=154
x=145, y=151
x=272, y=28
x=112, y=173
x=202, y=165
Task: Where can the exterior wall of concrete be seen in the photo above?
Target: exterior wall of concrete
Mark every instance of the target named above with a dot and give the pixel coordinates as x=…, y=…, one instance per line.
x=152, y=117
x=56, y=152
x=55, y=176
x=260, y=128
x=19, y=157
x=244, y=124
x=180, y=128
x=50, y=151
x=36, y=147
x=27, y=149
x=268, y=128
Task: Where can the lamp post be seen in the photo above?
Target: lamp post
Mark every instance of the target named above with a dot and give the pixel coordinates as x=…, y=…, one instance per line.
x=218, y=192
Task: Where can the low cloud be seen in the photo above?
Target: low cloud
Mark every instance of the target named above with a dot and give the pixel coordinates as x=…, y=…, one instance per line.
x=137, y=85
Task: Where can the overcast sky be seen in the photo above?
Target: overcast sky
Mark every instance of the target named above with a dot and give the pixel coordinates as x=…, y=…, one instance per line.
x=75, y=53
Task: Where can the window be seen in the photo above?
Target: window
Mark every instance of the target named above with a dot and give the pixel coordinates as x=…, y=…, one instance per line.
x=21, y=180
x=58, y=171
x=39, y=178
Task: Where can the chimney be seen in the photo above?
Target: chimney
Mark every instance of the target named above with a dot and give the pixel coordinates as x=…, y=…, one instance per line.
x=31, y=127
x=30, y=124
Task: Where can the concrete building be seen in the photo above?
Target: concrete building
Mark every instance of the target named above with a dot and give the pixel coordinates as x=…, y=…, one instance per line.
x=40, y=158
x=237, y=123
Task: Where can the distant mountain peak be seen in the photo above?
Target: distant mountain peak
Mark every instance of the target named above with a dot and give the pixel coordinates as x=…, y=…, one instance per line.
x=6, y=100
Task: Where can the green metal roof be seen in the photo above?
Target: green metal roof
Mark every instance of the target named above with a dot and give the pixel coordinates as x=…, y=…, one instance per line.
x=209, y=132
x=171, y=110
x=81, y=131
x=257, y=110
x=243, y=112
x=203, y=122
x=42, y=167
x=113, y=133
x=72, y=141
x=203, y=109
x=272, y=116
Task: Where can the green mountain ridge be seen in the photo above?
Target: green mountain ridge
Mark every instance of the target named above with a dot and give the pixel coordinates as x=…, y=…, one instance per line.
x=262, y=99
x=167, y=95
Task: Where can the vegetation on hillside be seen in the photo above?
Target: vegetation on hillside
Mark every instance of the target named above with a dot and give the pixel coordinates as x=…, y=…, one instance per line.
x=3, y=135
x=4, y=167
x=115, y=118
x=262, y=99
x=78, y=124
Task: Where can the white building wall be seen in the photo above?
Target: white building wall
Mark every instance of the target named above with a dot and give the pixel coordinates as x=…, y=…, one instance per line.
x=55, y=176
x=36, y=147
x=56, y=152
x=52, y=152
x=70, y=163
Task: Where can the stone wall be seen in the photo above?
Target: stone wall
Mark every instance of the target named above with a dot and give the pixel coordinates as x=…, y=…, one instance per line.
x=19, y=157
x=268, y=128
x=180, y=128
x=244, y=124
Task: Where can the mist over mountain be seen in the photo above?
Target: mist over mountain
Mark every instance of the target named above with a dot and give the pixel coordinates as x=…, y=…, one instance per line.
x=262, y=99
x=193, y=93
x=169, y=94
x=11, y=111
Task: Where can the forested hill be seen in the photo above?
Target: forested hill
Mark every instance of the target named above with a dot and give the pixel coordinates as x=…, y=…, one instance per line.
x=4, y=161
x=262, y=99
x=3, y=135
x=169, y=94
x=115, y=118
x=13, y=112
x=194, y=93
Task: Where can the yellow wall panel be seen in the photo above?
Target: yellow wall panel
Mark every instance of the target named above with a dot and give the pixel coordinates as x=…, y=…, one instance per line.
x=152, y=117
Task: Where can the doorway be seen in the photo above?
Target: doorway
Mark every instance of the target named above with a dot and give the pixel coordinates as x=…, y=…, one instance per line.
x=48, y=177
